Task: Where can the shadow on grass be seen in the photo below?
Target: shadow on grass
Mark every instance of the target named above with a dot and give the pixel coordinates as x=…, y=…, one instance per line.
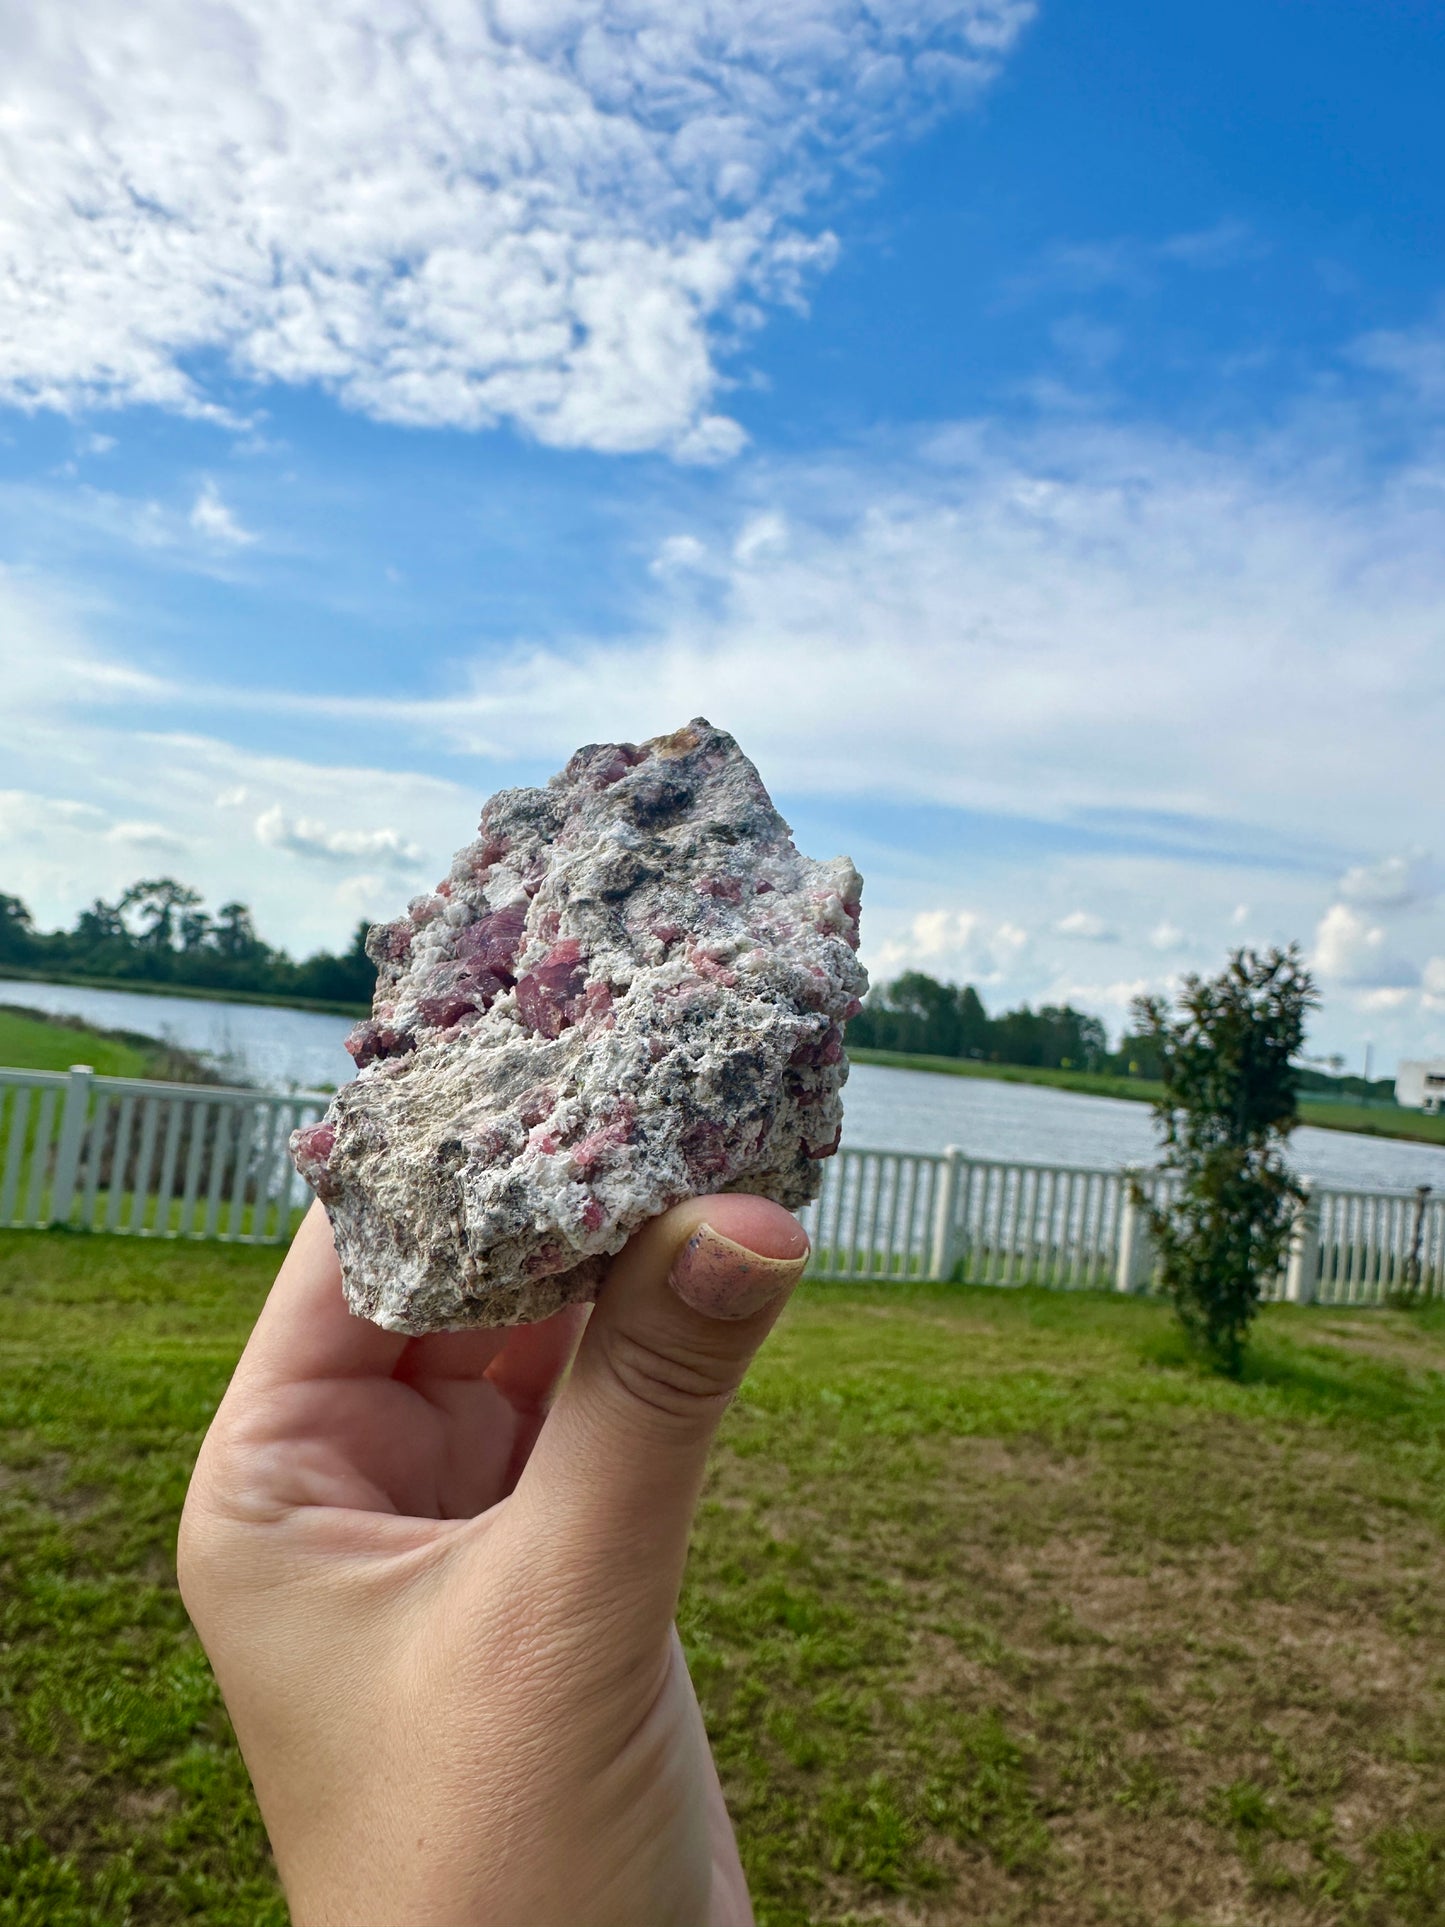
x=1309, y=1381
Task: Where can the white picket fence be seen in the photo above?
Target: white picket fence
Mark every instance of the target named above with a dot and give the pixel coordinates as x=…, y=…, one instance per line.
x=157, y=1160
x=193, y=1161
x=898, y=1215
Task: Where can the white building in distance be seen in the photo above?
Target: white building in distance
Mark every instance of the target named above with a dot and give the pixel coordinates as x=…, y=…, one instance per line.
x=1421, y=1085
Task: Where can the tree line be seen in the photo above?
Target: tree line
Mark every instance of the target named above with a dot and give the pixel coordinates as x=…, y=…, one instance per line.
x=160, y=932
x=918, y=1015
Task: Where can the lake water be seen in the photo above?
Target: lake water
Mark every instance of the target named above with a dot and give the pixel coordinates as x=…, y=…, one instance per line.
x=886, y=1109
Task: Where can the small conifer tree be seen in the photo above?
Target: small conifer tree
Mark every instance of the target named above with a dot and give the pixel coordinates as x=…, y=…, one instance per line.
x=1228, y=1108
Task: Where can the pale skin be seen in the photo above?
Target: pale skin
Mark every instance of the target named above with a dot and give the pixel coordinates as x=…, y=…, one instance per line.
x=438, y=1591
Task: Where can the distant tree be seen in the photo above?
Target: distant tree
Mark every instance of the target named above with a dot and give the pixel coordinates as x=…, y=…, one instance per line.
x=101, y=924
x=194, y=931
x=161, y=904
x=159, y=930
x=347, y=979
x=1228, y=1107
x=1137, y=1056
x=234, y=933
x=17, y=930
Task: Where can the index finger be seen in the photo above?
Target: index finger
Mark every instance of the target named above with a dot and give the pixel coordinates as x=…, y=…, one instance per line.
x=306, y=1329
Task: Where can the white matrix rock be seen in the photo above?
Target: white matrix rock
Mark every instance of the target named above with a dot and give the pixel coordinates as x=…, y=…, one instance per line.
x=628, y=991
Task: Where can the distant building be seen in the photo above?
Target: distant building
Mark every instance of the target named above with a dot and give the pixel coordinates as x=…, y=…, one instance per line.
x=1421, y=1085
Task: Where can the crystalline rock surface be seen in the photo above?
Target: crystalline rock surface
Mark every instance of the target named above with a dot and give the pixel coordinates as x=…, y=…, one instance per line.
x=629, y=990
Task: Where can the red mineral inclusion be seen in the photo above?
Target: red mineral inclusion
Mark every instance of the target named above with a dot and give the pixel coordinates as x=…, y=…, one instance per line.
x=369, y=1041
x=595, y=1147
x=311, y=1147
x=493, y=941
x=549, y=995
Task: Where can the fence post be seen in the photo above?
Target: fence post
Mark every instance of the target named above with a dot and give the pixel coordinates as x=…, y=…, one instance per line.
x=941, y=1258
x=1136, y=1250
x=1304, y=1252
x=72, y=1136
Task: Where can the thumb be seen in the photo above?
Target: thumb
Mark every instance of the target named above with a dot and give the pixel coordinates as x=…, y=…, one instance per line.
x=613, y=1481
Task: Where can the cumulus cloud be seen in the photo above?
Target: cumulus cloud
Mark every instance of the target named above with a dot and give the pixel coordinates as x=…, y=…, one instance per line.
x=954, y=944
x=443, y=212
x=304, y=836
x=1351, y=950
x=1167, y=936
x=1394, y=883
x=215, y=522
x=1088, y=927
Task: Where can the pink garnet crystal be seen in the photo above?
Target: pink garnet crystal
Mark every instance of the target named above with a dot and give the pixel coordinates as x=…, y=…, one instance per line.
x=630, y=989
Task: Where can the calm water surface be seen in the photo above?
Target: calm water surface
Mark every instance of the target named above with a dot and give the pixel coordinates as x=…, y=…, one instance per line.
x=887, y=1109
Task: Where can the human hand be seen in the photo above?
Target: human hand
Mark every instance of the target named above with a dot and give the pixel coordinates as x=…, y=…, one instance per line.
x=440, y=1612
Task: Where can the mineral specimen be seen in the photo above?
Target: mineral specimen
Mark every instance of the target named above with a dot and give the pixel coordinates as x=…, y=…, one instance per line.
x=629, y=990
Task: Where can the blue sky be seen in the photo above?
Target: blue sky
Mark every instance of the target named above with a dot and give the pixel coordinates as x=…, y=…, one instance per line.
x=1021, y=425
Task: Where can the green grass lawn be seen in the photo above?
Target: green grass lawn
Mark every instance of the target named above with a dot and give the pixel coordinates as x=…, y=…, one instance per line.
x=1375, y=1120
x=1000, y=1610
x=32, y=1040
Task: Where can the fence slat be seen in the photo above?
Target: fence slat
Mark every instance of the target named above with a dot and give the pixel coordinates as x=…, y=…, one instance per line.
x=245, y=1132
x=145, y=1162
x=219, y=1155
x=119, y=1154
x=166, y=1184
x=19, y=1128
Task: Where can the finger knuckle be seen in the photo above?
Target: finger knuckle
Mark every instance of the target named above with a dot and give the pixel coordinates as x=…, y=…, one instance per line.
x=677, y=1383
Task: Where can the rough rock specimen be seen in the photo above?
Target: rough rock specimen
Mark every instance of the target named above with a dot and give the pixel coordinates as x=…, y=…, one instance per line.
x=629, y=990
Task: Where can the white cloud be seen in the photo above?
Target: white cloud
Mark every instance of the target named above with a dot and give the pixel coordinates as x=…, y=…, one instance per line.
x=1239, y=915
x=1415, y=357
x=679, y=555
x=761, y=537
x=1223, y=245
x=305, y=836
x=955, y=944
x=1351, y=950
x=1167, y=936
x=146, y=836
x=442, y=211
x=1394, y=883
x=1084, y=924
x=215, y=522
x=1387, y=997
x=1112, y=999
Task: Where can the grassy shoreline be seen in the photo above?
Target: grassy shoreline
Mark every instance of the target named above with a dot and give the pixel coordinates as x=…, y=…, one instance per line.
x=39, y=1040
x=321, y=1006
x=1324, y=1114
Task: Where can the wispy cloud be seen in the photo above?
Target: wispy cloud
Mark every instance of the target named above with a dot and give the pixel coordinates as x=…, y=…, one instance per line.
x=1087, y=927
x=452, y=214
x=215, y=522
x=1133, y=264
x=1414, y=357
